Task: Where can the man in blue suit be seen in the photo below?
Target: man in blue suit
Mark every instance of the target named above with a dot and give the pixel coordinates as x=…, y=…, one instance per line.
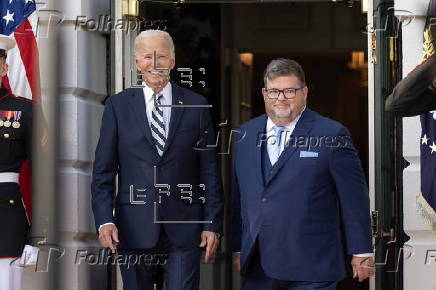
x=297, y=178
x=169, y=200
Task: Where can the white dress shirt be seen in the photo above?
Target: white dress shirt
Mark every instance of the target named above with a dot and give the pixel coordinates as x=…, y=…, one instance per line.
x=287, y=132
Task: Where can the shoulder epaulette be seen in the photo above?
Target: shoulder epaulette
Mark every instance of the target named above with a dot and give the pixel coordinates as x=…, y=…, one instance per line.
x=422, y=63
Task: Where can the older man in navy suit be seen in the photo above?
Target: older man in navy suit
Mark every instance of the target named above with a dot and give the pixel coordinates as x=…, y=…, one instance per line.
x=297, y=178
x=169, y=200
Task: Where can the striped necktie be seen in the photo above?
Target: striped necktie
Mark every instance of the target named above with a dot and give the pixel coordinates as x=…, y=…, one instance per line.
x=158, y=126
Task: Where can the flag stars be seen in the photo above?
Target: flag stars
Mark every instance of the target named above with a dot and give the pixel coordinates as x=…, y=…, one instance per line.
x=9, y=17
x=433, y=148
x=424, y=140
x=28, y=1
x=434, y=114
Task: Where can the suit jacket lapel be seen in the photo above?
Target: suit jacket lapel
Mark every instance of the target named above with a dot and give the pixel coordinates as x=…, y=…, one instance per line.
x=259, y=132
x=302, y=129
x=176, y=113
x=141, y=113
x=138, y=105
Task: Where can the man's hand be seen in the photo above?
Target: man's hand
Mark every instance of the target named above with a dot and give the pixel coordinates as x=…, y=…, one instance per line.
x=236, y=259
x=211, y=241
x=363, y=267
x=108, y=237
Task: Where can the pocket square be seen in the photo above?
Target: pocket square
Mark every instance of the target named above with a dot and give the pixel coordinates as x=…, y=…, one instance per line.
x=308, y=154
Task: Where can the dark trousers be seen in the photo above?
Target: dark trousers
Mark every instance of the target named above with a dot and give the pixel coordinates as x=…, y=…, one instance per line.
x=149, y=269
x=14, y=225
x=256, y=279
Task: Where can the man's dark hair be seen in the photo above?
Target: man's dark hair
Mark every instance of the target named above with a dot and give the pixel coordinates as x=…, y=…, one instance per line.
x=284, y=67
x=3, y=54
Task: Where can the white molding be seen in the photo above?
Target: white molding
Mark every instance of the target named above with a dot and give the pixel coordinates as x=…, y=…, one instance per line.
x=118, y=49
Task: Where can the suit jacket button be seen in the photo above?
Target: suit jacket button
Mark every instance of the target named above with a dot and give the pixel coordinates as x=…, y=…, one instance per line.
x=264, y=199
x=11, y=202
x=6, y=135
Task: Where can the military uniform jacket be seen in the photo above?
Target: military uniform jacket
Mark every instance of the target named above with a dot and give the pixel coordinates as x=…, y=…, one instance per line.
x=15, y=140
x=15, y=148
x=416, y=93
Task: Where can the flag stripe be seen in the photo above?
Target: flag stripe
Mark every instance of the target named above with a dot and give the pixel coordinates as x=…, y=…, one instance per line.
x=28, y=47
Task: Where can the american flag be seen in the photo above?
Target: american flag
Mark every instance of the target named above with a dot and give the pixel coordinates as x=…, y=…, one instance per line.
x=426, y=201
x=18, y=19
x=427, y=206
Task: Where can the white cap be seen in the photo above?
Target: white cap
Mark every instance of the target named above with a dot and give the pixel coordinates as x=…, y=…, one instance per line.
x=6, y=43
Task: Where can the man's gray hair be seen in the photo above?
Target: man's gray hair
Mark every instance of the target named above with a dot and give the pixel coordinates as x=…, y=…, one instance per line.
x=154, y=33
x=284, y=67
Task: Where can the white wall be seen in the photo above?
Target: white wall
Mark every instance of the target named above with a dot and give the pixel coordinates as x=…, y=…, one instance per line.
x=417, y=274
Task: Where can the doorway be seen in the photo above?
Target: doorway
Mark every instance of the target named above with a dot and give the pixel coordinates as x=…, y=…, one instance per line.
x=224, y=48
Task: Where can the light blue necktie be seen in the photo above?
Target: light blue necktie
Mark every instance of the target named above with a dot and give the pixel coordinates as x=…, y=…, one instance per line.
x=274, y=149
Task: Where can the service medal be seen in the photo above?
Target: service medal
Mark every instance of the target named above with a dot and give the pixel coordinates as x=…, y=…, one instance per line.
x=8, y=123
x=17, y=116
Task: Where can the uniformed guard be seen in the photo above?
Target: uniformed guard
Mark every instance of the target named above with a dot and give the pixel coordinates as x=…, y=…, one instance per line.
x=416, y=93
x=15, y=148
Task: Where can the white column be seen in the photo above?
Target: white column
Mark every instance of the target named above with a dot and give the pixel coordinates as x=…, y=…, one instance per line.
x=82, y=86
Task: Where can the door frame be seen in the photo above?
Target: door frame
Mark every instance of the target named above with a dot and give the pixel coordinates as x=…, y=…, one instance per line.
x=385, y=151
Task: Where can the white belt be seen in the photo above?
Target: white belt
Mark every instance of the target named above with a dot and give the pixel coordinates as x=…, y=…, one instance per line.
x=9, y=177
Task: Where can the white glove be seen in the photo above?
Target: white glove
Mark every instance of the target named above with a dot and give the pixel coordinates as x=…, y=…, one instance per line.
x=29, y=256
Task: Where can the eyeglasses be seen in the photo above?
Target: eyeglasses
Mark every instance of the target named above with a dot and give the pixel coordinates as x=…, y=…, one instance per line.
x=288, y=93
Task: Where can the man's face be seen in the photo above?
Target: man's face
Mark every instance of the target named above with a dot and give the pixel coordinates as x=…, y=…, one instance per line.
x=156, y=79
x=283, y=108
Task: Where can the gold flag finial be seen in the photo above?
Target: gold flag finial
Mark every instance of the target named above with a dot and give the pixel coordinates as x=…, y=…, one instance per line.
x=428, y=44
